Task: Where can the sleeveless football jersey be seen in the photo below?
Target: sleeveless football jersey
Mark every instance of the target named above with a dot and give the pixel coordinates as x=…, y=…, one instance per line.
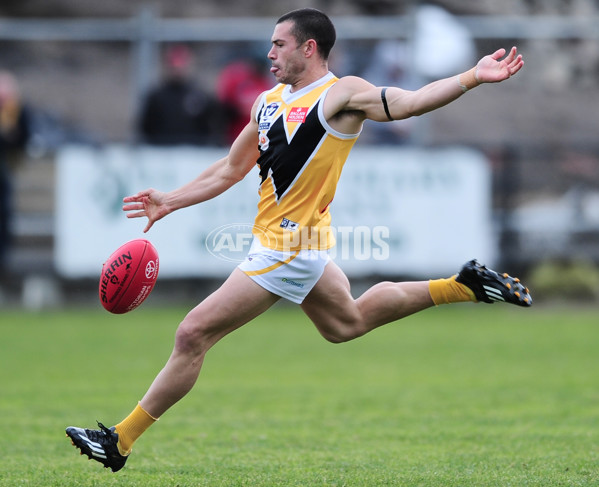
x=301, y=158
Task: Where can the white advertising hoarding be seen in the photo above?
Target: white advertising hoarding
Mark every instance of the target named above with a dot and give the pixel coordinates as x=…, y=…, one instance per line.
x=397, y=211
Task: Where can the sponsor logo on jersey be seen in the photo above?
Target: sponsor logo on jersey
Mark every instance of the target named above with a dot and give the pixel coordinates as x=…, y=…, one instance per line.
x=289, y=225
x=263, y=141
x=298, y=115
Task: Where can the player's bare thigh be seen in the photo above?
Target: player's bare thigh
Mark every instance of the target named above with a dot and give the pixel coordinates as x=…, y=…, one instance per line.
x=330, y=304
x=236, y=302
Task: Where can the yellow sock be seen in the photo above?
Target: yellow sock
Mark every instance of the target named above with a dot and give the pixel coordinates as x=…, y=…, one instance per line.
x=132, y=427
x=445, y=291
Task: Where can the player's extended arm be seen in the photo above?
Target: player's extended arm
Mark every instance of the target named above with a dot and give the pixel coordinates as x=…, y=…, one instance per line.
x=393, y=103
x=213, y=181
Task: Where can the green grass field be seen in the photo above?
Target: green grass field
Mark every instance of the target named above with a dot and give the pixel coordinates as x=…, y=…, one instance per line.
x=469, y=395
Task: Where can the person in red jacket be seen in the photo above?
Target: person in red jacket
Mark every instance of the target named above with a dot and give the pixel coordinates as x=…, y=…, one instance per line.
x=238, y=85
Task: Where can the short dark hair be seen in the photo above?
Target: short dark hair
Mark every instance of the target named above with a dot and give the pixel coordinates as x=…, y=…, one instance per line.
x=310, y=23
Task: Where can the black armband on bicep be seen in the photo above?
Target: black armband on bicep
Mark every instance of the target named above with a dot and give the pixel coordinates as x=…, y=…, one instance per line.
x=385, y=106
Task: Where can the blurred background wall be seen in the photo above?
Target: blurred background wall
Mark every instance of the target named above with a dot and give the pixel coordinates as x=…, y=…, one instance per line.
x=84, y=71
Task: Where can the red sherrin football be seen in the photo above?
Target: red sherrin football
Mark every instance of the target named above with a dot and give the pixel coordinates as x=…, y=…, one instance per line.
x=128, y=276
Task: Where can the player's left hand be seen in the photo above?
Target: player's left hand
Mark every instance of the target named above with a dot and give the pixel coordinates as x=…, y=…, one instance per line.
x=492, y=69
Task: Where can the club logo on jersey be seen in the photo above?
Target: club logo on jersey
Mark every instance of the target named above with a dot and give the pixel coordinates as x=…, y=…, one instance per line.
x=269, y=111
x=298, y=115
x=289, y=225
x=266, y=117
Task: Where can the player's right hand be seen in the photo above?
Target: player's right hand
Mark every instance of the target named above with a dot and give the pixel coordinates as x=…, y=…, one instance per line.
x=149, y=203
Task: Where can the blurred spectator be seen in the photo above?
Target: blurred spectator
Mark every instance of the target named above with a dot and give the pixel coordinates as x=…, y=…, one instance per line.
x=14, y=134
x=178, y=111
x=441, y=44
x=388, y=67
x=239, y=84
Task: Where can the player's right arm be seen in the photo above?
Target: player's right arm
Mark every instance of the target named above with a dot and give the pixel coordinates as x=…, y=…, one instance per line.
x=214, y=180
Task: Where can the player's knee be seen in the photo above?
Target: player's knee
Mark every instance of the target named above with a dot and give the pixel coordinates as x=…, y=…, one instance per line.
x=187, y=339
x=334, y=338
x=192, y=337
x=341, y=333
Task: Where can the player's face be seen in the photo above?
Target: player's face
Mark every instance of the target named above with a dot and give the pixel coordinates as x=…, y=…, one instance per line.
x=288, y=61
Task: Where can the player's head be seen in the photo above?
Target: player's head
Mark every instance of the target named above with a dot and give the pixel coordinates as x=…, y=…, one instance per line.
x=309, y=23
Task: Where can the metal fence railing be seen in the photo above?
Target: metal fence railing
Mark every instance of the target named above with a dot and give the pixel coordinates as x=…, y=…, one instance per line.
x=146, y=31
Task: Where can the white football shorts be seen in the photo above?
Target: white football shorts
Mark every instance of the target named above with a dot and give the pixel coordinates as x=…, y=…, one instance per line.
x=289, y=274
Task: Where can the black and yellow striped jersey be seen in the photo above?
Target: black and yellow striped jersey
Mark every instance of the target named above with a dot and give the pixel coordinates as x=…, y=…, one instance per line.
x=301, y=158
